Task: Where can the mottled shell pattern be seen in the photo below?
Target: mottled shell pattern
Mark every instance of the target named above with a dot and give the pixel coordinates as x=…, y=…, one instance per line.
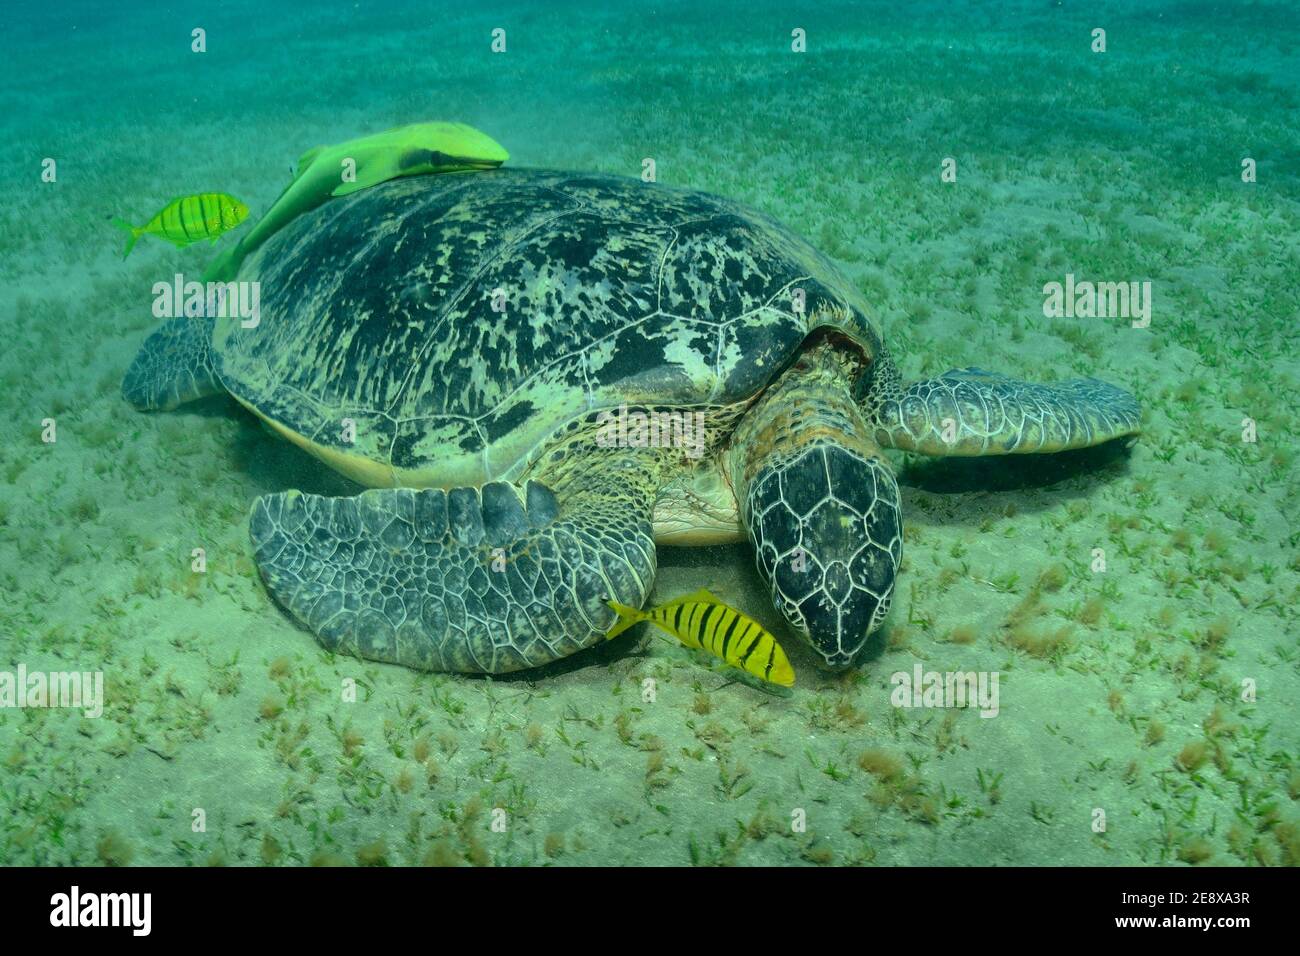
x=459, y=321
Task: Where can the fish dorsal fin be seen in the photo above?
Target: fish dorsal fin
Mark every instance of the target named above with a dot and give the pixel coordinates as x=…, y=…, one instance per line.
x=306, y=159
x=701, y=596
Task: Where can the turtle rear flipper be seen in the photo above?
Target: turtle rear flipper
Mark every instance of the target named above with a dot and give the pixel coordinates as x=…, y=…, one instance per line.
x=477, y=580
x=174, y=366
x=967, y=412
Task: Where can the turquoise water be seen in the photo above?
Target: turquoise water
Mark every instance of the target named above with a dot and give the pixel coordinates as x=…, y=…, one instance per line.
x=951, y=160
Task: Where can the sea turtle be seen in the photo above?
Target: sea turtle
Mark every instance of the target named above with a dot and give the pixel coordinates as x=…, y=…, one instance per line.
x=516, y=362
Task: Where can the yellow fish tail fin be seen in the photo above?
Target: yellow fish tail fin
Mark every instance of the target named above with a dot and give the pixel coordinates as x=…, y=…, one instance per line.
x=627, y=616
x=135, y=235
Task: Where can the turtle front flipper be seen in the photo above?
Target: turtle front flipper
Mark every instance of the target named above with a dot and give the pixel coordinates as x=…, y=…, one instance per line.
x=174, y=366
x=973, y=412
x=476, y=580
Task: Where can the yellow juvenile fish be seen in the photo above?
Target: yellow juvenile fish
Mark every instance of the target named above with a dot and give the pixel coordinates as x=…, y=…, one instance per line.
x=189, y=219
x=701, y=620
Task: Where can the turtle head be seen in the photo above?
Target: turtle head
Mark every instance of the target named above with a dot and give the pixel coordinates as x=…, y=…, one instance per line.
x=822, y=509
x=828, y=537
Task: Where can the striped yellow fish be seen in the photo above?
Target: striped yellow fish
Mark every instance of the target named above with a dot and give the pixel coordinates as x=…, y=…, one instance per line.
x=189, y=219
x=701, y=620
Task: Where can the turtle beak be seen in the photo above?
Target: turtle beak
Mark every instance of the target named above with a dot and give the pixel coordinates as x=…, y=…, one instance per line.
x=836, y=605
x=838, y=632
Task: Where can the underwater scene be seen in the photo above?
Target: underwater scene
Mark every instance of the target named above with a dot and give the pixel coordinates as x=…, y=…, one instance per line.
x=623, y=434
